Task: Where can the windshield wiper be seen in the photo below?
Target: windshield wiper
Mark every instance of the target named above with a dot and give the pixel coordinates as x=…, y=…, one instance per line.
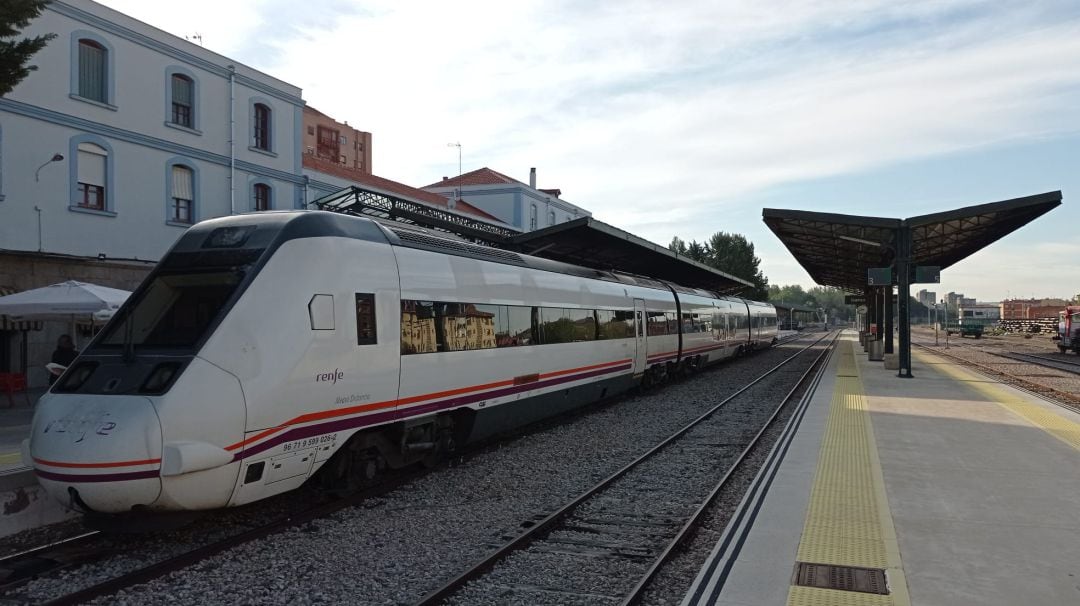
x=129, y=338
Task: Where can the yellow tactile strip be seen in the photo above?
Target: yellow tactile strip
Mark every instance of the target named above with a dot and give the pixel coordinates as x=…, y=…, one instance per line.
x=848, y=521
x=1056, y=425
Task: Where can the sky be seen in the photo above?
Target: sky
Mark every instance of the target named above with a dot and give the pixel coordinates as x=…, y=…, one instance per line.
x=687, y=118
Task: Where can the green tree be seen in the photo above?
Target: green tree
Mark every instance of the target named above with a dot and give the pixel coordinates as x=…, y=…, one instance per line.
x=730, y=253
x=15, y=52
x=734, y=254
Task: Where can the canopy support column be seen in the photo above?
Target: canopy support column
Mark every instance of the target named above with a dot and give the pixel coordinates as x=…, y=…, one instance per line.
x=904, y=270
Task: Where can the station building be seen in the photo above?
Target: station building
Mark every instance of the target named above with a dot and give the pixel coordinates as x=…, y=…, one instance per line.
x=121, y=139
x=522, y=206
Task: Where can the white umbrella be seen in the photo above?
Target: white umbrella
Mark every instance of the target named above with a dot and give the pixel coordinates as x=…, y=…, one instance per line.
x=62, y=301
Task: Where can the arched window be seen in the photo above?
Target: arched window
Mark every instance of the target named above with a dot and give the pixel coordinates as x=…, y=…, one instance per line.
x=183, y=101
x=91, y=185
x=261, y=127
x=182, y=196
x=551, y=217
x=261, y=194
x=93, y=71
x=532, y=217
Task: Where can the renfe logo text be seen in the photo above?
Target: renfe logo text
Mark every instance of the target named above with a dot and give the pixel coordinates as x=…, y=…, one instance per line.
x=331, y=377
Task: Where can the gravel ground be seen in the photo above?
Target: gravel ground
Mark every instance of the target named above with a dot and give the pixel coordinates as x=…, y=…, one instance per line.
x=978, y=352
x=601, y=550
x=395, y=549
x=674, y=579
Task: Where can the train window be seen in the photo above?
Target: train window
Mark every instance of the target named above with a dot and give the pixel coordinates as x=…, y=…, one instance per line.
x=175, y=310
x=556, y=325
x=418, y=327
x=687, y=322
x=321, y=312
x=615, y=324
x=584, y=323
x=657, y=323
x=702, y=322
x=465, y=326
x=365, y=319
x=672, y=323
x=520, y=328
x=603, y=318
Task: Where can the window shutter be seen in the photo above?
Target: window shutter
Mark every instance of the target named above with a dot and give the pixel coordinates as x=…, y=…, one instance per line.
x=181, y=90
x=92, y=164
x=182, y=186
x=91, y=72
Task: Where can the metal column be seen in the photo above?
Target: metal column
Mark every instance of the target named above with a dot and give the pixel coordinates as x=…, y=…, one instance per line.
x=904, y=269
x=888, y=319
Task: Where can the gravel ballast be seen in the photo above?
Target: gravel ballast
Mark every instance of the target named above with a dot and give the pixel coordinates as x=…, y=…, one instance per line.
x=397, y=548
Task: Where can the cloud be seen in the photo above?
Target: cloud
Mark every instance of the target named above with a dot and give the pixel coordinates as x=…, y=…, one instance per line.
x=665, y=117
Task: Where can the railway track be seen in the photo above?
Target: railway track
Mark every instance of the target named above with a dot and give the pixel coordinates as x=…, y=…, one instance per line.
x=18, y=568
x=1053, y=395
x=1045, y=361
x=606, y=545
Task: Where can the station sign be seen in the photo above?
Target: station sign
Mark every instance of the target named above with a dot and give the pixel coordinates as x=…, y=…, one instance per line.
x=879, y=276
x=927, y=274
x=854, y=300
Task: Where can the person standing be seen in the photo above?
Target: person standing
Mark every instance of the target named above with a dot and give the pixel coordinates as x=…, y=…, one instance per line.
x=64, y=354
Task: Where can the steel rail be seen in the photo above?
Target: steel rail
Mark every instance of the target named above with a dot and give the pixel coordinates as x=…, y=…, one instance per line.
x=194, y=556
x=24, y=565
x=159, y=569
x=487, y=563
x=1054, y=396
x=1044, y=361
x=817, y=367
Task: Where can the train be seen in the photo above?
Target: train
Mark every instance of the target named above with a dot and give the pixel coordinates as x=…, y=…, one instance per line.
x=267, y=349
x=1068, y=333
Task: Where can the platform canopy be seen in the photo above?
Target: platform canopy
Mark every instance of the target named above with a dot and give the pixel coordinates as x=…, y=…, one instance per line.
x=837, y=250
x=595, y=244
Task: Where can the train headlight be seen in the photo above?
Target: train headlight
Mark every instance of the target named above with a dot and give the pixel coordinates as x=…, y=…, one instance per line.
x=160, y=378
x=74, y=378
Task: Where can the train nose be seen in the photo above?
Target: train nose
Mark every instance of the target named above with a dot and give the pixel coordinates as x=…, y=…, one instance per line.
x=107, y=448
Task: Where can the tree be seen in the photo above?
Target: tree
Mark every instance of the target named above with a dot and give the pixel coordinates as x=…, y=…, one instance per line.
x=734, y=254
x=730, y=253
x=15, y=52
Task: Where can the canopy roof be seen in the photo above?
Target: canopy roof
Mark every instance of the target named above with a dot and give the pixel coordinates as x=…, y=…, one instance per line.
x=591, y=243
x=837, y=250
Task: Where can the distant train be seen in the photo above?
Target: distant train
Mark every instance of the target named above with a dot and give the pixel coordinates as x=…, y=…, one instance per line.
x=1068, y=336
x=267, y=347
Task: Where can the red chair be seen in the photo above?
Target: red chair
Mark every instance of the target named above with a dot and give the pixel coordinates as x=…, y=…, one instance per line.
x=11, y=382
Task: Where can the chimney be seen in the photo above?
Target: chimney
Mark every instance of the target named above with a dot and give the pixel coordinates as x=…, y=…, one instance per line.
x=444, y=178
x=532, y=177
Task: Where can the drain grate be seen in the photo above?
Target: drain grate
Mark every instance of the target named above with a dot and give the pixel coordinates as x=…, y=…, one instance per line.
x=843, y=578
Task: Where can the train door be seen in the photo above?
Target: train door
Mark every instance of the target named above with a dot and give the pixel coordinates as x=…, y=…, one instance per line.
x=642, y=355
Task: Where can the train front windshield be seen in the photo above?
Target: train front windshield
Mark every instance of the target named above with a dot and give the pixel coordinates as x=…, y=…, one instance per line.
x=174, y=311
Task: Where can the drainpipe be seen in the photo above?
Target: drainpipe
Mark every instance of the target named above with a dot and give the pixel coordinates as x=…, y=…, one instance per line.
x=232, y=140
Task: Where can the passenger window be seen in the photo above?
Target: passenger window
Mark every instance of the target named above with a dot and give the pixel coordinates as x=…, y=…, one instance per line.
x=321, y=312
x=519, y=326
x=365, y=319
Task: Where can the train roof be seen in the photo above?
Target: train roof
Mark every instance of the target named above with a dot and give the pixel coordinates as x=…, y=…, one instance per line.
x=273, y=228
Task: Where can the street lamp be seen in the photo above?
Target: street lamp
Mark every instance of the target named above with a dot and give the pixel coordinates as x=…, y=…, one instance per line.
x=55, y=158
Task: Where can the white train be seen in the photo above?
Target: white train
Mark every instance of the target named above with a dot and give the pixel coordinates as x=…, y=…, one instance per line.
x=266, y=347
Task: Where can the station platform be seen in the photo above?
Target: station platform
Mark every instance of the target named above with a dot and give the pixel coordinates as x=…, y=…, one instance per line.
x=946, y=489
x=14, y=428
